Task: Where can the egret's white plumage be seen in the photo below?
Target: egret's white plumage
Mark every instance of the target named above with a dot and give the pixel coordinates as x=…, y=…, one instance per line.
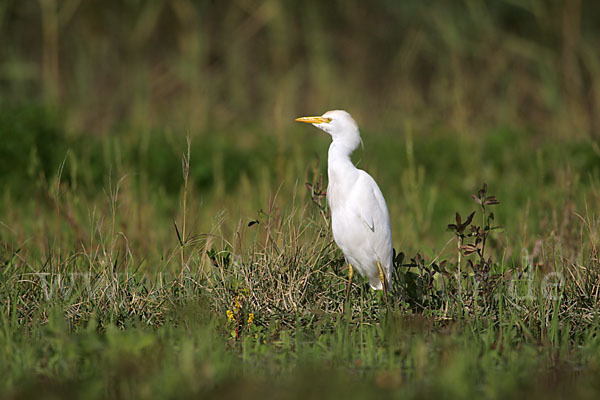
x=360, y=219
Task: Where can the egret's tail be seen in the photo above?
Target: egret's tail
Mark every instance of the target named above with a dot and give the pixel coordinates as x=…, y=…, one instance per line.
x=376, y=284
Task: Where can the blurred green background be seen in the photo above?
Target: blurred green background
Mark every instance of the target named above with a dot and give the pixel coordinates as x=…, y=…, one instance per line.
x=460, y=66
x=448, y=95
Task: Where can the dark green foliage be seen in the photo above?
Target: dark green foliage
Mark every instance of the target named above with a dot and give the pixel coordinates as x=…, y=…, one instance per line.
x=33, y=144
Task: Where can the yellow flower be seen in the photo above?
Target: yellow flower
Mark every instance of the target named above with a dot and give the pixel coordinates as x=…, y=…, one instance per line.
x=250, y=318
x=229, y=315
x=237, y=304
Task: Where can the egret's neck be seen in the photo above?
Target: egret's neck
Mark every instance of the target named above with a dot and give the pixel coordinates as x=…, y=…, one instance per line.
x=338, y=159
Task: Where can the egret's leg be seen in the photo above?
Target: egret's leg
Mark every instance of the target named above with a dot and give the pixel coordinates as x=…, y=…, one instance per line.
x=350, y=276
x=384, y=283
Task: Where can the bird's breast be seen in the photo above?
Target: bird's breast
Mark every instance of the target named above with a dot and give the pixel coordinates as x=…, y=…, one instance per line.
x=340, y=188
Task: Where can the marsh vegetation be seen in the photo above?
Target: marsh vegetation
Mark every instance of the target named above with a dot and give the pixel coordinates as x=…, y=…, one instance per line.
x=163, y=222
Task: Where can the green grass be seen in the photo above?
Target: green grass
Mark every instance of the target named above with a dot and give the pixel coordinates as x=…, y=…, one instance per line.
x=126, y=273
x=98, y=303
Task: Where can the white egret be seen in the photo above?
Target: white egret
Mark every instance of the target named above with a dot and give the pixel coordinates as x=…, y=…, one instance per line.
x=360, y=220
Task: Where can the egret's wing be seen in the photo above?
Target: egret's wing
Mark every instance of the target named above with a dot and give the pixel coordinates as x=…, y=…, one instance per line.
x=374, y=214
x=372, y=208
x=367, y=218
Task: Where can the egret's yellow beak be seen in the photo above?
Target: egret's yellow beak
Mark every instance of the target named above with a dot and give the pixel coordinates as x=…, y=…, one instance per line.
x=313, y=120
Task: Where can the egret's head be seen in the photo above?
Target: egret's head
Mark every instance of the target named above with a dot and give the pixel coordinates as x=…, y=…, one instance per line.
x=339, y=124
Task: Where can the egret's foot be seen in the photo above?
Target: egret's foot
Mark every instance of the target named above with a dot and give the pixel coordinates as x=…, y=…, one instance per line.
x=384, y=283
x=350, y=276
